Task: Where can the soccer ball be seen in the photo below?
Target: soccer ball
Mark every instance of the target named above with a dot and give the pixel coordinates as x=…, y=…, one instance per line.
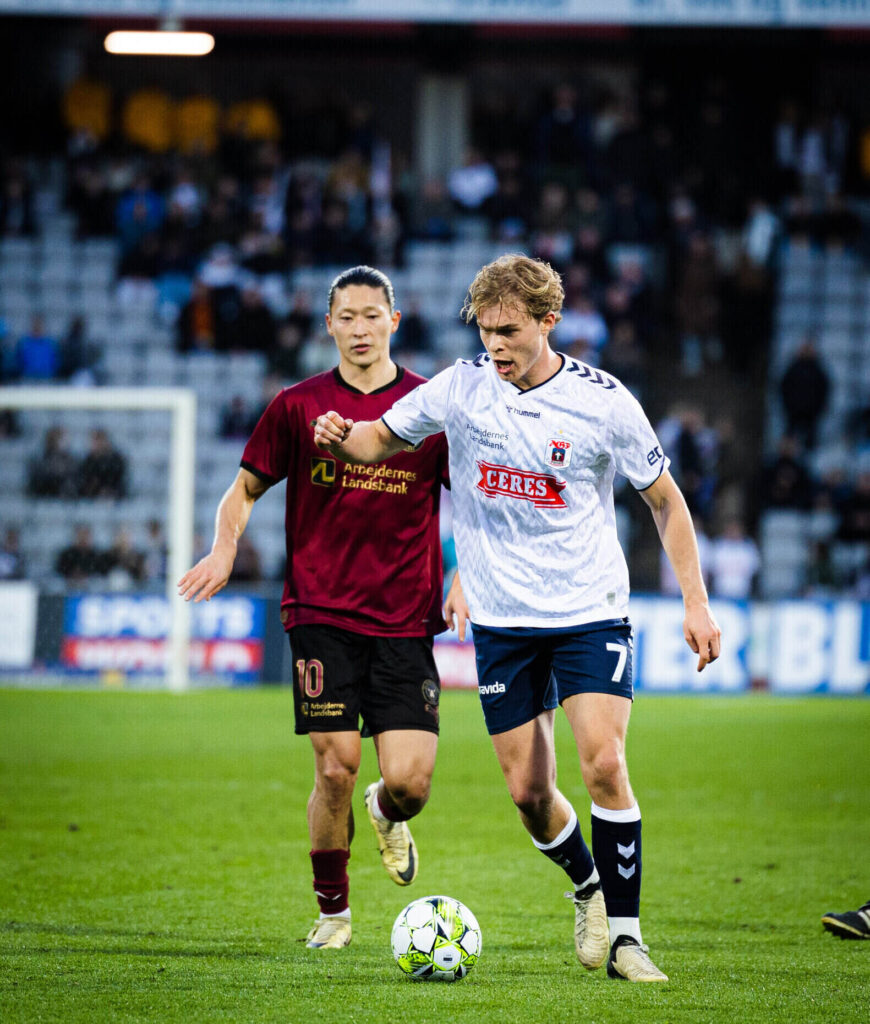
x=436, y=938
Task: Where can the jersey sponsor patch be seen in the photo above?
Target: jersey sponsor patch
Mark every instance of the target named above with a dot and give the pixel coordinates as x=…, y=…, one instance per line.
x=541, y=489
x=323, y=472
x=559, y=452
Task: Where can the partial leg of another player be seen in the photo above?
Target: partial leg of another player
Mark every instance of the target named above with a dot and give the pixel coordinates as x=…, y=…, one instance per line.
x=330, y=827
x=851, y=924
x=528, y=762
x=599, y=722
x=407, y=760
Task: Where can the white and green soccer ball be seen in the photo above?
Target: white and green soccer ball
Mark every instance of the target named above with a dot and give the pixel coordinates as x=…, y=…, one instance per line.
x=436, y=938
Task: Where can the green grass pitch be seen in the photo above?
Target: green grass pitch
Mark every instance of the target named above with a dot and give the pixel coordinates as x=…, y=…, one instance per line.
x=154, y=866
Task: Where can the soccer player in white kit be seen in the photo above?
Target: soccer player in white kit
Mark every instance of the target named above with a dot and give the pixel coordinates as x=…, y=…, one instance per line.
x=535, y=439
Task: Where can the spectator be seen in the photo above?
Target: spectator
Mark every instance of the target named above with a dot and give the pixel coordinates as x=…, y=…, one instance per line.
x=509, y=208
x=156, y=552
x=473, y=184
x=124, y=565
x=137, y=271
x=91, y=200
x=582, y=329
x=284, y=356
x=196, y=329
x=7, y=353
x=855, y=512
x=53, y=473
x=9, y=426
x=37, y=355
x=300, y=314
x=237, y=420
x=80, y=560
x=255, y=327
x=804, y=389
x=630, y=220
x=16, y=204
x=413, y=334
x=625, y=359
x=12, y=565
x=786, y=135
x=785, y=482
x=698, y=306
x=140, y=211
x=103, y=471
x=247, y=567
x=563, y=136
x=335, y=240
x=694, y=461
x=734, y=562
x=76, y=357
x=433, y=212
x=824, y=578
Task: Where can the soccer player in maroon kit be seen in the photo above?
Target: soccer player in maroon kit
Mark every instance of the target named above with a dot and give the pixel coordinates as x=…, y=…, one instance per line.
x=362, y=592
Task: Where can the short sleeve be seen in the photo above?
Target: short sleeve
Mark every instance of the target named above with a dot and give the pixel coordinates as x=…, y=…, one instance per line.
x=422, y=411
x=637, y=453
x=267, y=453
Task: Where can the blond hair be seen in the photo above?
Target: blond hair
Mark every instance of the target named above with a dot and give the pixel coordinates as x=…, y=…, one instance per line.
x=515, y=279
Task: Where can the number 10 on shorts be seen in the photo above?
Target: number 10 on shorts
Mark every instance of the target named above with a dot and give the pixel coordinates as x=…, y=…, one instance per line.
x=310, y=676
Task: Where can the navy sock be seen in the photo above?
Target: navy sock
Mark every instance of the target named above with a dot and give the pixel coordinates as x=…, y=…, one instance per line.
x=616, y=845
x=570, y=852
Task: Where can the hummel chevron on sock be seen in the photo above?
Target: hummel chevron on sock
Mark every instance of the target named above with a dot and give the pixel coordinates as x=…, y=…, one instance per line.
x=617, y=850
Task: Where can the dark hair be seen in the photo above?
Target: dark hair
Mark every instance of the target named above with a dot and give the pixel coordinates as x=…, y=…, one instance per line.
x=366, y=276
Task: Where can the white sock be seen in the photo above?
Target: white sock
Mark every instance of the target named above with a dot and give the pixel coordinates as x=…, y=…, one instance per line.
x=561, y=837
x=594, y=877
x=377, y=813
x=625, y=926
x=341, y=913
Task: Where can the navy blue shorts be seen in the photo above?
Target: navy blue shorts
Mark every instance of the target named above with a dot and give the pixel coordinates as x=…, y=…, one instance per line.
x=524, y=671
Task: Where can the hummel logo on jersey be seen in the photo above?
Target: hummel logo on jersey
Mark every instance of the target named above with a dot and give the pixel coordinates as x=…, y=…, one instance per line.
x=492, y=688
x=593, y=376
x=542, y=490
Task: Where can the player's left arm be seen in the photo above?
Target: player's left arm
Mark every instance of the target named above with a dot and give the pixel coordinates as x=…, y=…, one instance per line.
x=674, y=524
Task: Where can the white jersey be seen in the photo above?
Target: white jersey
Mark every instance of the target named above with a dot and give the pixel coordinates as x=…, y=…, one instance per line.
x=532, y=483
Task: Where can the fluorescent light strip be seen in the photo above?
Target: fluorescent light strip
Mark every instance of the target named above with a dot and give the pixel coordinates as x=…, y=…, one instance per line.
x=163, y=44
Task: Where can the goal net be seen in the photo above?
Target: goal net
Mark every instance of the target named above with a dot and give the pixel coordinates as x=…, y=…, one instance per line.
x=97, y=515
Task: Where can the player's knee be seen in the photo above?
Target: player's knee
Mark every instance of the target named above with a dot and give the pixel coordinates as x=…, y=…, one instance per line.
x=337, y=777
x=532, y=800
x=605, y=772
x=411, y=792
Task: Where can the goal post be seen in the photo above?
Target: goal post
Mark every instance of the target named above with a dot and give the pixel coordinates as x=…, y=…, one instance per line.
x=180, y=403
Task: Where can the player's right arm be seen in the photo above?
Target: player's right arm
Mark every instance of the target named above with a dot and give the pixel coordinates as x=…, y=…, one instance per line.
x=358, y=443
x=210, y=574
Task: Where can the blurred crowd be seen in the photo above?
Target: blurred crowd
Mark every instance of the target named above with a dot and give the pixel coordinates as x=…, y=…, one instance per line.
x=662, y=215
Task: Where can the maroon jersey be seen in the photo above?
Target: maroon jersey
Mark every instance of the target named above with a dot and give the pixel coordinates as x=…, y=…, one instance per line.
x=363, y=546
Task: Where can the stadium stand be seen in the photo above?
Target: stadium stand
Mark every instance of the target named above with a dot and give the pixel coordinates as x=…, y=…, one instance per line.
x=137, y=258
